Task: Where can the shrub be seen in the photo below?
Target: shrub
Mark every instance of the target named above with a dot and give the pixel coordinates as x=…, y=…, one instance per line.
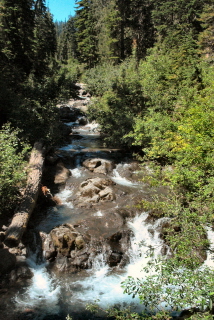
x=12, y=168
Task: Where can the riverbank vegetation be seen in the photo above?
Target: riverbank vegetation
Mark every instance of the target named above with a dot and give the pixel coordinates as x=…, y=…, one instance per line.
x=149, y=67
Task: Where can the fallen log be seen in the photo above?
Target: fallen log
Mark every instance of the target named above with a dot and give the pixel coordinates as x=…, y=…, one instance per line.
x=21, y=217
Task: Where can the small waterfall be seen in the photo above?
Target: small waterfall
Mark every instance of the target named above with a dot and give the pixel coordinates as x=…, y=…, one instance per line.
x=64, y=196
x=104, y=284
x=146, y=238
x=48, y=294
x=43, y=293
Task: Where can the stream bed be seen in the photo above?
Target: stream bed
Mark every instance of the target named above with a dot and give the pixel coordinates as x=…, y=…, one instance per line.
x=53, y=294
x=119, y=234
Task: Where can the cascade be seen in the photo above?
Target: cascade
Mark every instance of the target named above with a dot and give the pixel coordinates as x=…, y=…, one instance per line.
x=47, y=290
x=52, y=293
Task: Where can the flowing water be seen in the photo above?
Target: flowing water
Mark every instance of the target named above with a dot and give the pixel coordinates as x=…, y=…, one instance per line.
x=52, y=295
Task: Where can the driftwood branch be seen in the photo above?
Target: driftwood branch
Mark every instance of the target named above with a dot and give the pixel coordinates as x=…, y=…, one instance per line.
x=21, y=217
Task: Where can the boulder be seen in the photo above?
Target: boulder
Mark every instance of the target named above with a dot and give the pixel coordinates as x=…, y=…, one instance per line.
x=63, y=238
x=107, y=194
x=65, y=130
x=115, y=258
x=7, y=261
x=79, y=241
x=21, y=274
x=95, y=190
x=70, y=248
x=49, y=251
x=62, y=174
x=69, y=114
x=99, y=165
x=83, y=121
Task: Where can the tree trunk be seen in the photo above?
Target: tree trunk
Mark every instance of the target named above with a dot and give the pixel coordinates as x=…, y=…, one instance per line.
x=21, y=217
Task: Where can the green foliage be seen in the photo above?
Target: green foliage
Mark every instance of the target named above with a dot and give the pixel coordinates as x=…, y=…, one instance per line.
x=12, y=168
x=168, y=286
x=126, y=314
x=66, y=40
x=16, y=36
x=85, y=35
x=206, y=38
x=101, y=78
x=119, y=104
x=179, y=15
x=45, y=41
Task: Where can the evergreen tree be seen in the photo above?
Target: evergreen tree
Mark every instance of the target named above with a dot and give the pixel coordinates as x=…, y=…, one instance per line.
x=171, y=17
x=141, y=26
x=66, y=42
x=206, y=38
x=45, y=38
x=108, y=23
x=16, y=50
x=86, y=33
x=16, y=34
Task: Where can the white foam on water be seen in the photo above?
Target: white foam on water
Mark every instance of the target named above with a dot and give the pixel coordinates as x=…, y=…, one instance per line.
x=105, y=284
x=117, y=178
x=43, y=292
x=146, y=237
x=64, y=195
x=77, y=172
x=93, y=126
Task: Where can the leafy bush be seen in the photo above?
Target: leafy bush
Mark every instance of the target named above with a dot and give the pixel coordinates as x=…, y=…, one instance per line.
x=12, y=168
x=168, y=286
x=119, y=102
x=101, y=78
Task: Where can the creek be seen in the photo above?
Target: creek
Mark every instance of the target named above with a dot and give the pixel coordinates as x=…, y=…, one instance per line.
x=52, y=294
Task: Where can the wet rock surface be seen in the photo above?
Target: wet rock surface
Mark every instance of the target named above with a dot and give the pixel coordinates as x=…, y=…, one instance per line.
x=70, y=248
x=92, y=191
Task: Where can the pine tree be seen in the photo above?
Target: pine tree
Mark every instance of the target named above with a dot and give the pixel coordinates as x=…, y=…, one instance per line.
x=206, y=38
x=108, y=23
x=171, y=16
x=141, y=26
x=86, y=33
x=66, y=42
x=45, y=38
x=17, y=25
